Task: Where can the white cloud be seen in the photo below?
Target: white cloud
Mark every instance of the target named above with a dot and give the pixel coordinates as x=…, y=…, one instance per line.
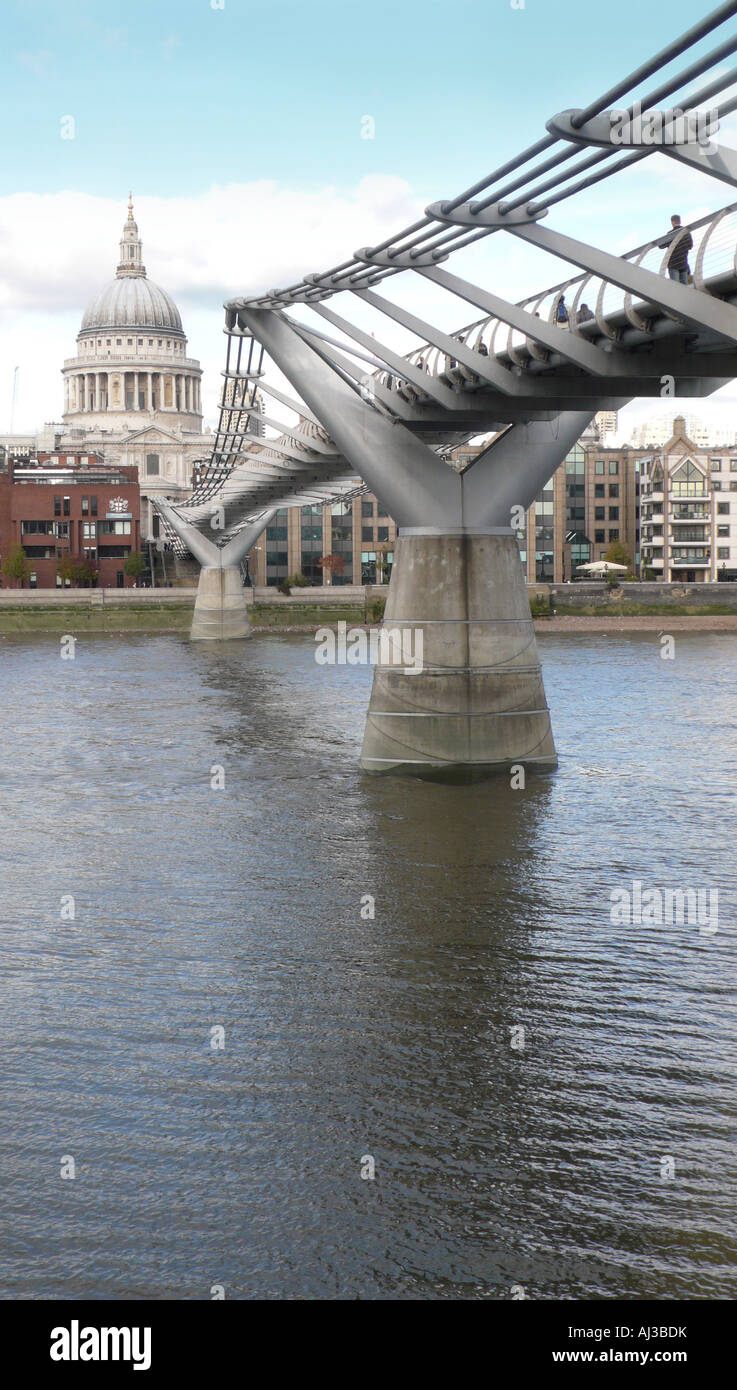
x=58, y=250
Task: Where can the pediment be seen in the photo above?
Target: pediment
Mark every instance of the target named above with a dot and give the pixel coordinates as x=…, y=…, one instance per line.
x=152, y=434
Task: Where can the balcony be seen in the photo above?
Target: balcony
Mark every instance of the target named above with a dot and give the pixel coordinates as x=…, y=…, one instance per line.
x=680, y=514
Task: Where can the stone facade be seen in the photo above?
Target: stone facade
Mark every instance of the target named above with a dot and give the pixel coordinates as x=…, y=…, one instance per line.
x=132, y=393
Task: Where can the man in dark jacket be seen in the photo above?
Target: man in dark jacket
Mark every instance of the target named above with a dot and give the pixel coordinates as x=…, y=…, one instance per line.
x=678, y=267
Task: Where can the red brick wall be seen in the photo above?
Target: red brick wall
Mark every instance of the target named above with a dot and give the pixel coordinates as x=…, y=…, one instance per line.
x=35, y=502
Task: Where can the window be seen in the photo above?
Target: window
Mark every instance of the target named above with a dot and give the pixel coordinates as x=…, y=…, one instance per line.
x=66, y=506
x=367, y=509
x=85, y=506
x=614, y=465
x=614, y=489
x=722, y=552
x=599, y=465
x=57, y=506
x=367, y=533
x=93, y=506
x=89, y=530
x=614, y=535
x=599, y=490
x=152, y=465
x=382, y=533
x=715, y=465
x=733, y=487
x=599, y=537
x=723, y=508
x=614, y=513
x=716, y=485
x=722, y=530
x=687, y=481
x=733, y=465
x=599, y=513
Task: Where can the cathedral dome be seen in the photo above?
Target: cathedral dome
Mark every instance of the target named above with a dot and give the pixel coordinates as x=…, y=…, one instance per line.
x=132, y=302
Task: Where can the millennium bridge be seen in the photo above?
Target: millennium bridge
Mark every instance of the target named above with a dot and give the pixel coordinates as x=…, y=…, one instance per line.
x=530, y=374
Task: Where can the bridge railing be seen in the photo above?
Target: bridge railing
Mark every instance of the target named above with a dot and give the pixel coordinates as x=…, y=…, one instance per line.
x=594, y=306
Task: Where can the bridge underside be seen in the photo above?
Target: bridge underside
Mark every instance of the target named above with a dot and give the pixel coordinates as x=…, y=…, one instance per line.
x=458, y=691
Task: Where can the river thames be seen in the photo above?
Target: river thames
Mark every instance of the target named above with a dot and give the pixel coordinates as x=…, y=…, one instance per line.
x=592, y=1155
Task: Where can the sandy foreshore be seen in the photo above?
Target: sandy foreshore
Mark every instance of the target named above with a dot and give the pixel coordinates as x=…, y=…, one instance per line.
x=660, y=622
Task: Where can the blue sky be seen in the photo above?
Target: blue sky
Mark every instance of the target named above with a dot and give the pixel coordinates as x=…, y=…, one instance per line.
x=239, y=130
x=181, y=95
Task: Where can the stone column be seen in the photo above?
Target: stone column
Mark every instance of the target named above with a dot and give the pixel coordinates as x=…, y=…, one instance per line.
x=135, y=391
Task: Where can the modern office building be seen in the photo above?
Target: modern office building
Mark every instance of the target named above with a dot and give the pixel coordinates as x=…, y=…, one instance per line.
x=356, y=534
x=591, y=501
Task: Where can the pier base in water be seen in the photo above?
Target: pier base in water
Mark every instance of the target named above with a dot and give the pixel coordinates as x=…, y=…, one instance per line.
x=220, y=610
x=478, y=704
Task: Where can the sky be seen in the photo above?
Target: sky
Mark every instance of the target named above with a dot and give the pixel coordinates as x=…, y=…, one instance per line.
x=240, y=128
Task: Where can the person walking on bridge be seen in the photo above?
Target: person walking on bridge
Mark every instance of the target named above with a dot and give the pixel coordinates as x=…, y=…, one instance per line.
x=678, y=267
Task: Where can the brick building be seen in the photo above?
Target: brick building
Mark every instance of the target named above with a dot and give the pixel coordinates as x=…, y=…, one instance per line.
x=70, y=505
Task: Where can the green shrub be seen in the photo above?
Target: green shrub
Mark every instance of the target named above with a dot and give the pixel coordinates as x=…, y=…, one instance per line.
x=300, y=581
x=376, y=609
x=285, y=586
x=540, y=606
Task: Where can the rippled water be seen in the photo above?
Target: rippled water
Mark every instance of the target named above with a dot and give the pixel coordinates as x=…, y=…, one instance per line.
x=347, y=1037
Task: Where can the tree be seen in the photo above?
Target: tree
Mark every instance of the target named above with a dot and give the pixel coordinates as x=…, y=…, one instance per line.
x=66, y=568
x=16, y=565
x=134, y=565
x=617, y=555
x=86, y=574
x=78, y=572
x=334, y=564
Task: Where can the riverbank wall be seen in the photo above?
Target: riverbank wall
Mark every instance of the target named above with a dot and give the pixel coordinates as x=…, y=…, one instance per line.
x=170, y=610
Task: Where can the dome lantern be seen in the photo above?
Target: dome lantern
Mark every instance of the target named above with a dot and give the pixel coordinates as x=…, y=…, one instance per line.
x=131, y=247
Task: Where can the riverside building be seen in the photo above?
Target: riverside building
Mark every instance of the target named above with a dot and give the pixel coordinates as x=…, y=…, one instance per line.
x=70, y=507
x=689, y=510
x=132, y=393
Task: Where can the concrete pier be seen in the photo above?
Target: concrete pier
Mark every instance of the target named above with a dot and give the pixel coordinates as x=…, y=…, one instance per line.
x=478, y=706
x=220, y=610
